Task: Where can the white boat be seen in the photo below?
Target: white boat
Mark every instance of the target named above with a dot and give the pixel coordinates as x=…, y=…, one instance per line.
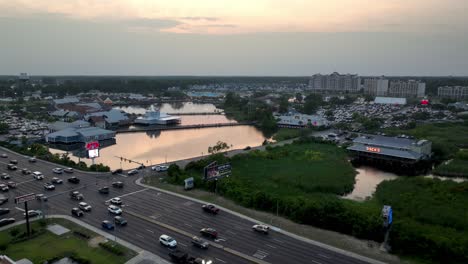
x=155, y=117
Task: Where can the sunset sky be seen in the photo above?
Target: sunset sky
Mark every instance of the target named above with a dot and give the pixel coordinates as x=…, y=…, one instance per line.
x=234, y=37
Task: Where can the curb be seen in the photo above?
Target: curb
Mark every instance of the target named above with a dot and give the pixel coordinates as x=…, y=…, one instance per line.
x=141, y=254
x=304, y=239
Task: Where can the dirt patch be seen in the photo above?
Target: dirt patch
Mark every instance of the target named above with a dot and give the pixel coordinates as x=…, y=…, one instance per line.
x=94, y=242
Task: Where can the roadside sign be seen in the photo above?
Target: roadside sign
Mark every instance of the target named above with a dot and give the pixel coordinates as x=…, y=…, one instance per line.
x=92, y=145
x=25, y=198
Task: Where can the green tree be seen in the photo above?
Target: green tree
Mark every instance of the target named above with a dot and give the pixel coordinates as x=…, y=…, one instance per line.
x=312, y=103
x=219, y=147
x=283, y=105
x=299, y=97
x=4, y=127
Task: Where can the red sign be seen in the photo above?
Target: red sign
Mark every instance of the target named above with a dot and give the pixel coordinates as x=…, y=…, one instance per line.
x=25, y=198
x=373, y=149
x=92, y=145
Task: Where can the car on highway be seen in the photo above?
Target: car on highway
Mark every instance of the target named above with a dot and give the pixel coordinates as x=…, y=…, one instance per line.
x=11, y=185
x=4, y=155
x=118, y=220
x=5, y=176
x=33, y=213
x=181, y=257
x=14, y=162
x=85, y=207
x=38, y=175
x=6, y=221
x=76, y=195
x=106, y=224
x=68, y=170
x=117, y=171
x=57, y=170
x=77, y=212
x=198, y=242
x=32, y=159
x=209, y=232
x=11, y=167
x=116, y=200
x=104, y=190
x=167, y=241
x=4, y=211
x=41, y=197
x=49, y=186
x=261, y=228
x=56, y=180
x=132, y=172
x=160, y=168
x=74, y=180
x=3, y=200
x=4, y=188
x=248, y=148
x=141, y=167
x=114, y=210
x=210, y=208
x=25, y=171
x=118, y=184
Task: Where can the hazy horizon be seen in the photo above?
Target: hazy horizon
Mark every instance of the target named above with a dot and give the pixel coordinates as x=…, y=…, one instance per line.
x=234, y=38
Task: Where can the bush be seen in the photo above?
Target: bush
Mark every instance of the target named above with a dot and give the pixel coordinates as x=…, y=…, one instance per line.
x=14, y=232
x=81, y=234
x=3, y=247
x=113, y=248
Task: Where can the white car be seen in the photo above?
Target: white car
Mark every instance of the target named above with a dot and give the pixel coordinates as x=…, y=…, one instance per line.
x=132, y=172
x=114, y=210
x=38, y=176
x=116, y=200
x=160, y=168
x=57, y=170
x=167, y=241
x=261, y=228
x=84, y=206
x=68, y=170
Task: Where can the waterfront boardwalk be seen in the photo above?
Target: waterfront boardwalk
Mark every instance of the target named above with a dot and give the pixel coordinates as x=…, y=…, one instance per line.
x=162, y=128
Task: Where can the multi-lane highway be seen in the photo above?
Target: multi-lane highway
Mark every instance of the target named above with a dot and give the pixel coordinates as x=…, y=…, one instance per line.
x=151, y=213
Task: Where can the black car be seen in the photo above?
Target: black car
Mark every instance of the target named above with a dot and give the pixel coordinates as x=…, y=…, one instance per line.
x=117, y=171
x=25, y=171
x=210, y=208
x=11, y=167
x=56, y=180
x=118, y=220
x=77, y=212
x=118, y=184
x=209, y=232
x=74, y=180
x=198, y=242
x=4, y=211
x=3, y=200
x=13, y=161
x=141, y=167
x=104, y=190
x=5, y=176
x=6, y=221
x=49, y=186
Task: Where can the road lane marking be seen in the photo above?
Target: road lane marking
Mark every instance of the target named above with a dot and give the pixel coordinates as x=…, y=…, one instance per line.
x=22, y=210
x=268, y=245
x=151, y=231
x=187, y=224
x=127, y=194
x=19, y=183
x=230, y=232
x=260, y=254
x=197, y=220
x=325, y=256
x=188, y=203
x=279, y=241
x=316, y=261
x=220, y=260
x=156, y=216
x=138, y=235
x=182, y=244
x=122, y=175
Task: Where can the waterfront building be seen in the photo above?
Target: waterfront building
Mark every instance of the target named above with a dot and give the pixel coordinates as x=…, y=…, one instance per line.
x=376, y=86
x=407, y=89
x=155, y=117
x=390, y=100
x=113, y=118
x=453, y=92
x=60, y=125
x=73, y=135
x=335, y=83
x=297, y=120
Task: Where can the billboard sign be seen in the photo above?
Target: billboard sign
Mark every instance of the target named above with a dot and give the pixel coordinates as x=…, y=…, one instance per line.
x=387, y=214
x=92, y=145
x=25, y=198
x=214, y=171
x=93, y=153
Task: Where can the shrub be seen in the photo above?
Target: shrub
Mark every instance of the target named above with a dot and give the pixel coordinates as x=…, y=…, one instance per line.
x=14, y=232
x=113, y=248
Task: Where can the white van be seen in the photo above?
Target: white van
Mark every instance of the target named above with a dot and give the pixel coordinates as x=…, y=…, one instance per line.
x=38, y=175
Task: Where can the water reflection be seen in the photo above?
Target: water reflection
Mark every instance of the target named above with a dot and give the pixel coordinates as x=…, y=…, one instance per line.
x=186, y=107
x=367, y=180
x=173, y=145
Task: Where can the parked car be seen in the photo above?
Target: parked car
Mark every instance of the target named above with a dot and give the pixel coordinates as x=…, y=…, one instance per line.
x=141, y=167
x=3, y=200
x=11, y=167
x=76, y=196
x=261, y=228
x=56, y=180
x=4, y=211
x=25, y=171
x=116, y=200
x=209, y=232
x=5, y=176
x=33, y=213
x=104, y=190
x=160, y=168
x=11, y=185
x=118, y=184
x=4, y=156
x=68, y=170
x=167, y=241
x=14, y=162
x=4, y=188
x=77, y=212
x=248, y=148
x=118, y=220
x=114, y=210
x=117, y=171
x=74, y=180
x=49, y=186
x=6, y=221
x=198, y=242
x=85, y=207
x=32, y=159
x=210, y=208
x=57, y=170
x=106, y=224
x=132, y=172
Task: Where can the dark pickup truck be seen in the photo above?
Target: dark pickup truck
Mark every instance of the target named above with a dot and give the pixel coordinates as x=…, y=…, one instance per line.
x=178, y=256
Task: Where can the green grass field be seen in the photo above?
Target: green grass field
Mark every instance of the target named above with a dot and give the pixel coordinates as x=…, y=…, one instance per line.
x=48, y=245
